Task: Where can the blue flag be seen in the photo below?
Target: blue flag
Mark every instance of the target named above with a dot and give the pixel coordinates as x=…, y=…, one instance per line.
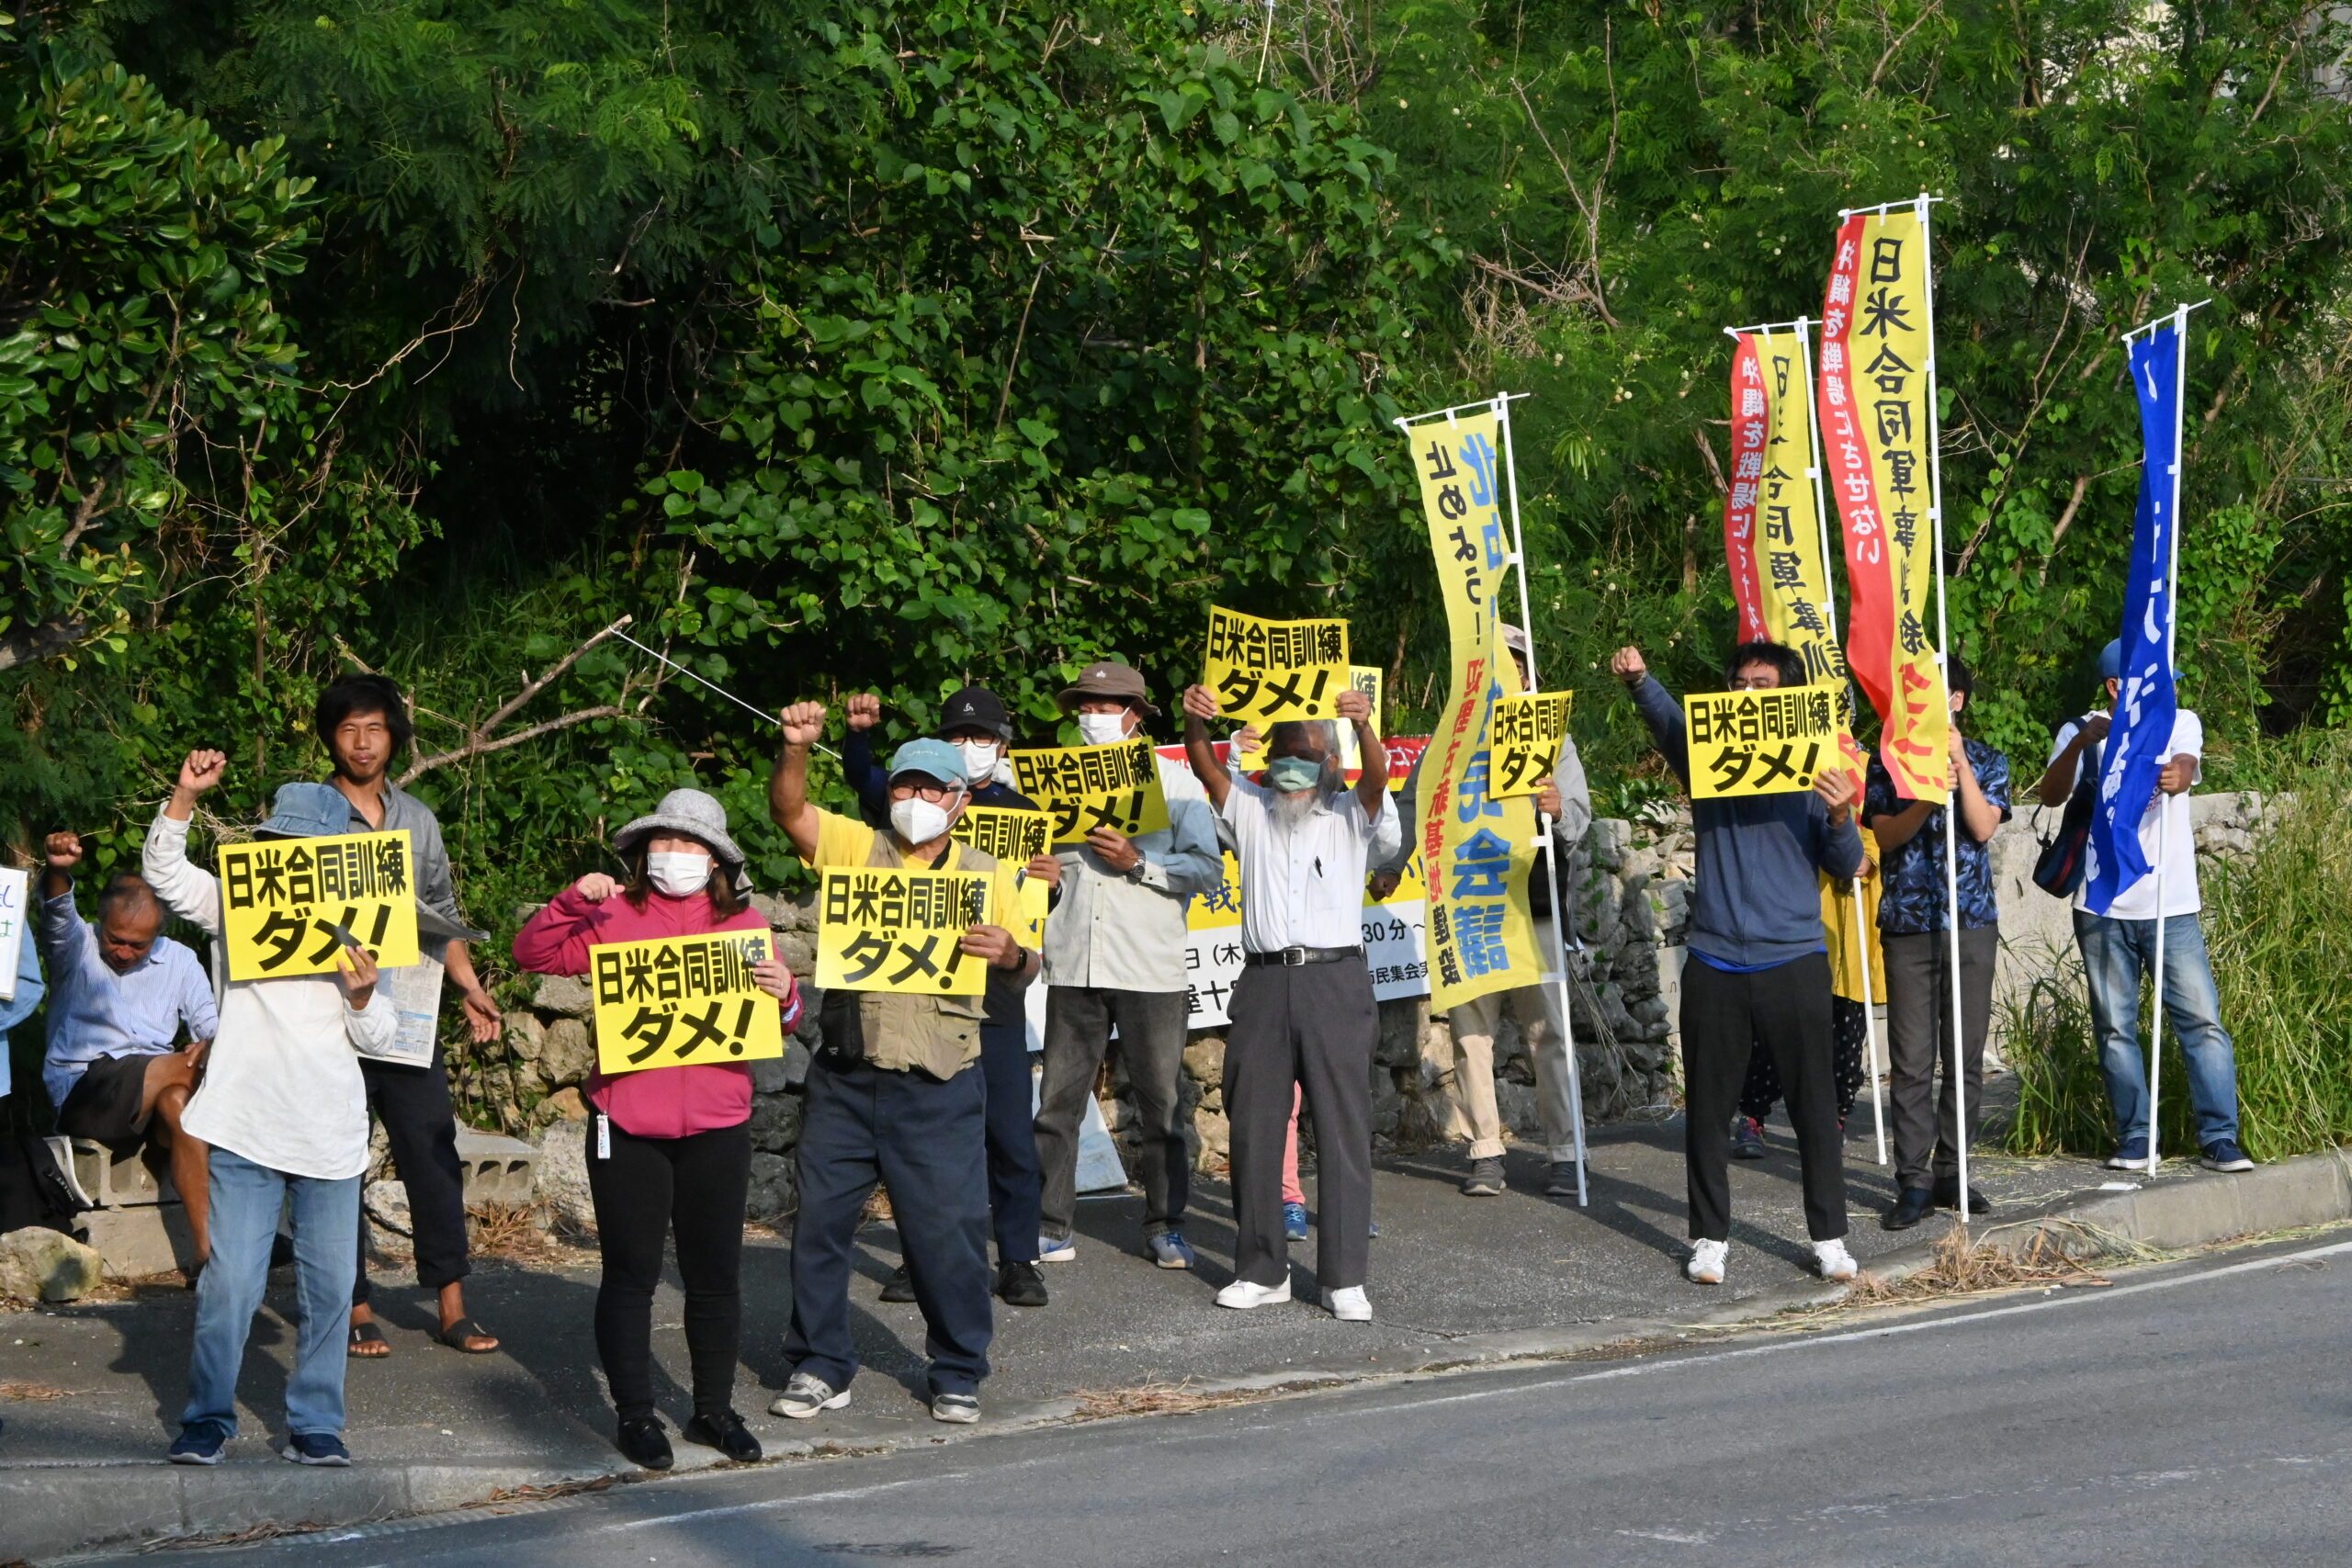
x=2145, y=706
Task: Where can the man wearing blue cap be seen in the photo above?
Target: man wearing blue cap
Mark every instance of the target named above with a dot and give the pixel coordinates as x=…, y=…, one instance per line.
x=2120, y=946
x=284, y=1112
x=894, y=1096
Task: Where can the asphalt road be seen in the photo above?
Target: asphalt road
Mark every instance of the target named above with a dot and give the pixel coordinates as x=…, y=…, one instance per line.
x=2194, y=1413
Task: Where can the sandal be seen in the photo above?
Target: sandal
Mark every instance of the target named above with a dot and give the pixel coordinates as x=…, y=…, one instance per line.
x=465, y=1328
x=368, y=1342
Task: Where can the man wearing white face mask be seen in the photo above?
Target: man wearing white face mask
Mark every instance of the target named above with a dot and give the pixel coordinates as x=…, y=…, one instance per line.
x=1115, y=956
x=975, y=722
x=893, y=1096
x=1303, y=1010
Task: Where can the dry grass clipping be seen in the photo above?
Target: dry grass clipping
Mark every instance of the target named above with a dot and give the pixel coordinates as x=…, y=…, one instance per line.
x=1961, y=1265
x=39, y=1393
x=519, y=1233
x=1155, y=1398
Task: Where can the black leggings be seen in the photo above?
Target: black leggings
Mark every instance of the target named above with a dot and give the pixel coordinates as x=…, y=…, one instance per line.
x=693, y=1188
x=1762, y=1089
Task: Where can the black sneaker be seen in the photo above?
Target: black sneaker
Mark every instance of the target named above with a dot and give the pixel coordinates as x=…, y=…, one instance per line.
x=2223, y=1155
x=1746, y=1138
x=316, y=1448
x=1948, y=1197
x=1562, y=1182
x=1022, y=1285
x=644, y=1444
x=1912, y=1207
x=1485, y=1178
x=898, y=1287
x=726, y=1433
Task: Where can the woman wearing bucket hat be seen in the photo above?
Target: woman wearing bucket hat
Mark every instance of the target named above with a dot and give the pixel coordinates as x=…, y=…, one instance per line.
x=669, y=1148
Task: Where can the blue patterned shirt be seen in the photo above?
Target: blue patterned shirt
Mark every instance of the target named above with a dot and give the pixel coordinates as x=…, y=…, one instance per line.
x=1913, y=872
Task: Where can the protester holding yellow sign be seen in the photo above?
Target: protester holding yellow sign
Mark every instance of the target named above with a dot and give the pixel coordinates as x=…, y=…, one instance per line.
x=1115, y=960
x=1088, y=789
x=284, y=1112
x=1563, y=797
x=1758, y=974
x=689, y=991
x=1266, y=671
x=893, y=1095
x=1007, y=825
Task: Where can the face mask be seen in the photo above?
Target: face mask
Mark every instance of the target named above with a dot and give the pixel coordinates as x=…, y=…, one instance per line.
x=918, y=821
x=1291, y=775
x=1103, y=728
x=679, y=873
x=980, y=759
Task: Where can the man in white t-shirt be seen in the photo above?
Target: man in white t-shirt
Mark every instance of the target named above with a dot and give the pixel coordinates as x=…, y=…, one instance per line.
x=2121, y=945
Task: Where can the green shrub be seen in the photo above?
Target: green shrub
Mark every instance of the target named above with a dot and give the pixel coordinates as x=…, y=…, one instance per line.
x=2278, y=926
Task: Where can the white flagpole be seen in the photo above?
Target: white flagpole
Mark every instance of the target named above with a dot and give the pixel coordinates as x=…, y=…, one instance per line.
x=1959, y=1080
x=2163, y=807
x=1555, y=973
x=1830, y=610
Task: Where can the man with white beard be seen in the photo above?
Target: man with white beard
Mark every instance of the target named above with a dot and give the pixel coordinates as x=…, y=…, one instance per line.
x=1303, y=1011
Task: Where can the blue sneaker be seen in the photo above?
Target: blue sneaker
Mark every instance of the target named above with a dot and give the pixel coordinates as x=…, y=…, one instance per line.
x=2223, y=1155
x=1170, y=1249
x=1295, y=1221
x=2132, y=1156
x=316, y=1448
x=199, y=1442
x=1056, y=1249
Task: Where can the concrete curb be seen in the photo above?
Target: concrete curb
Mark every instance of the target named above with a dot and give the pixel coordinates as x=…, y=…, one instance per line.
x=49, y=1509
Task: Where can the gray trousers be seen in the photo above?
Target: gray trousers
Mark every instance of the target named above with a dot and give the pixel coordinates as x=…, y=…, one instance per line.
x=1151, y=1043
x=1313, y=1026
x=1918, y=1031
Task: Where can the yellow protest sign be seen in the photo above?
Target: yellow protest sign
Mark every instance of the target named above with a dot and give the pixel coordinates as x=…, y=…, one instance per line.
x=1015, y=838
x=683, y=1001
x=1086, y=787
x=1265, y=672
x=1364, y=678
x=1528, y=732
x=1767, y=742
x=1477, y=848
x=897, y=928
x=282, y=901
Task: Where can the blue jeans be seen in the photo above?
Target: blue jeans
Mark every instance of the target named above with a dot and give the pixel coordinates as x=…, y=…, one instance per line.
x=2115, y=954
x=246, y=1199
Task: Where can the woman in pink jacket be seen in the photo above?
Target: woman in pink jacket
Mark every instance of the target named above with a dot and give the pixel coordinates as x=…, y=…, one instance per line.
x=669, y=1148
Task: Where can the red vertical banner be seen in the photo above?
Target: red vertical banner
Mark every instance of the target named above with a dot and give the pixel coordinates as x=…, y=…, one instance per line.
x=1751, y=423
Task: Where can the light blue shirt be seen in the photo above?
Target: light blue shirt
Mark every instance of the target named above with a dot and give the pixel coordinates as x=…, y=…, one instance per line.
x=19, y=1007
x=94, y=1012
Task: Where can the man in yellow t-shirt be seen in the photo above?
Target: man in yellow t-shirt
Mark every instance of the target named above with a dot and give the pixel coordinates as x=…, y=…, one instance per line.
x=895, y=1095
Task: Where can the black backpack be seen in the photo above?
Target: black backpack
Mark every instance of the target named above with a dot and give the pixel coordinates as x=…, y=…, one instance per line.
x=2058, y=870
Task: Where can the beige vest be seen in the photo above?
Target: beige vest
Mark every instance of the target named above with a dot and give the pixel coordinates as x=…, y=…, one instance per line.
x=939, y=1036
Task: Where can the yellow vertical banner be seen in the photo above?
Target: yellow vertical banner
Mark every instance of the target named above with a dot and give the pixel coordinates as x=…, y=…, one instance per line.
x=1528, y=732
x=1876, y=390
x=897, y=928
x=1796, y=578
x=1015, y=838
x=1476, y=848
x=682, y=1001
x=286, y=904
x=1267, y=672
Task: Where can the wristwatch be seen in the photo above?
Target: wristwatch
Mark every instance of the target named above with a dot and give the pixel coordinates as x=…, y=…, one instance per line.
x=1135, y=873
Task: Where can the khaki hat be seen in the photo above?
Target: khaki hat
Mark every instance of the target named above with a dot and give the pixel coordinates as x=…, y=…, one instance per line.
x=1111, y=678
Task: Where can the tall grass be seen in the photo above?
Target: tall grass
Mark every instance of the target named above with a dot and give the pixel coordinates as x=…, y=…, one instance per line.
x=2278, y=926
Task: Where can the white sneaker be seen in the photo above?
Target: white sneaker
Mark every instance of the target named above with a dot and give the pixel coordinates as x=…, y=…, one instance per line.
x=1242, y=1295
x=1706, y=1264
x=1834, y=1261
x=804, y=1394
x=1349, y=1305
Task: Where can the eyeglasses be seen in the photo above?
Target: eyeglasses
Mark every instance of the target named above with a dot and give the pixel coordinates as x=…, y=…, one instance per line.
x=938, y=795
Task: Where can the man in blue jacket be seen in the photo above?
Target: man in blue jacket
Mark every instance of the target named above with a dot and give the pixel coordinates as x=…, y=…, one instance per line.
x=1758, y=970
